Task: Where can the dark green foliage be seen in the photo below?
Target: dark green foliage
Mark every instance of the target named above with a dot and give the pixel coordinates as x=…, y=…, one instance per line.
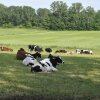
x=58, y=17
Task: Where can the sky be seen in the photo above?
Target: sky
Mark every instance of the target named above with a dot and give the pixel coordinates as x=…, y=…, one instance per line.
x=46, y=3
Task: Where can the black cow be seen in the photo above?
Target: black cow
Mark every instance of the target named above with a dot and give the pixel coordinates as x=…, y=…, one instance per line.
x=49, y=50
x=61, y=51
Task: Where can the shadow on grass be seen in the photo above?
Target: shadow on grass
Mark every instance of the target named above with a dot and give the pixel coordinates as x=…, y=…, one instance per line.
x=77, y=79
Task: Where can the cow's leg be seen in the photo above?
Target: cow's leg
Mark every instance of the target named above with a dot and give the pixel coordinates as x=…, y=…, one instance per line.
x=54, y=69
x=36, y=69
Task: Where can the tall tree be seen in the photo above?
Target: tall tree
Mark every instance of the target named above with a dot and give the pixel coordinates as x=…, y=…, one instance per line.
x=28, y=15
x=90, y=18
x=43, y=17
x=58, y=15
x=3, y=14
x=75, y=13
x=97, y=20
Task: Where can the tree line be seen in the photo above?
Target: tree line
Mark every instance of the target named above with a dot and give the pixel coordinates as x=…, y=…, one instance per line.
x=58, y=17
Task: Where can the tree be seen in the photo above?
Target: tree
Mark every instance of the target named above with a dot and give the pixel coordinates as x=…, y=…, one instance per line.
x=75, y=16
x=3, y=14
x=43, y=17
x=58, y=15
x=90, y=18
x=97, y=20
x=28, y=15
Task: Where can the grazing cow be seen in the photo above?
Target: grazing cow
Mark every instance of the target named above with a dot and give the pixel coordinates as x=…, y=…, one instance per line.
x=84, y=51
x=48, y=50
x=47, y=65
x=6, y=49
x=61, y=51
x=36, y=48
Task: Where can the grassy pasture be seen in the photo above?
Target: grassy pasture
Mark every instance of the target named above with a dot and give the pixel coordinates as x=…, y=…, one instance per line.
x=77, y=79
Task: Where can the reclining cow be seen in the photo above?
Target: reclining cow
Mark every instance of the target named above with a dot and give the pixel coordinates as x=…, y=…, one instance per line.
x=21, y=54
x=86, y=52
x=35, y=48
x=61, y=51
x=78, y=51
x=31, y=59
x=47, y=65
x=49, y=50
x=6, y=49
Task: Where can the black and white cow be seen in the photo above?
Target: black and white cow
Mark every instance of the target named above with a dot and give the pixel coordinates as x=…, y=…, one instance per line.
x=31, y=59
x=35, y=48
x=47, y=65
x=84, y=51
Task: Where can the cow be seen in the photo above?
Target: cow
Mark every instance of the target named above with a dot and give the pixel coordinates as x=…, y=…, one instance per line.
x=6, y=49
x=47, y=65
x=35, y=48
x=49, y=50
x=21, y=54
x=78, y=51
x=29, y=60
x=61, y=51
x=86, y=52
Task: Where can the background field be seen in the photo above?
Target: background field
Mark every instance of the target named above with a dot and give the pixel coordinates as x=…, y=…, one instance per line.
x=77, y=79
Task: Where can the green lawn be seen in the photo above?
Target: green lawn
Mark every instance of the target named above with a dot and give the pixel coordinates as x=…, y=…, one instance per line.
x=77, y=79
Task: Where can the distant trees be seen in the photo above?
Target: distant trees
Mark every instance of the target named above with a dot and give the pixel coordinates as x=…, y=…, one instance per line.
x=58, y=17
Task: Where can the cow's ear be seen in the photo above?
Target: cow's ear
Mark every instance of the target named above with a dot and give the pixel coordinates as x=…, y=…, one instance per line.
x=50, y=56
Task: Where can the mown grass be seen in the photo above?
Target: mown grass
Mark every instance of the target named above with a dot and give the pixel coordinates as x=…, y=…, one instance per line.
x=77, y=79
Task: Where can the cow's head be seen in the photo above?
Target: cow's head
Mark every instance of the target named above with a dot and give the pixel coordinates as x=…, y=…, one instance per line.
x=55, y=60
x=59, y=60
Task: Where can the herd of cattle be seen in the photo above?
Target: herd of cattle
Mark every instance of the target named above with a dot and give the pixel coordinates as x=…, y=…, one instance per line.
x=46, y=65
x=49, y=50
x=37, y=48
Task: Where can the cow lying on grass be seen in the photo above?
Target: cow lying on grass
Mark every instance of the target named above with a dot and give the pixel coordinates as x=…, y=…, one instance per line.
x=61, y=51
x=49, y=50
x=22, y=54
x=6, y=49
x=84, y=51
x=47, y=65
x=35, y=48
x=31, y=59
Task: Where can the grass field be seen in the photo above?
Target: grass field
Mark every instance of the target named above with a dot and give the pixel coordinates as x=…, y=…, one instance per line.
x=77, y=79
